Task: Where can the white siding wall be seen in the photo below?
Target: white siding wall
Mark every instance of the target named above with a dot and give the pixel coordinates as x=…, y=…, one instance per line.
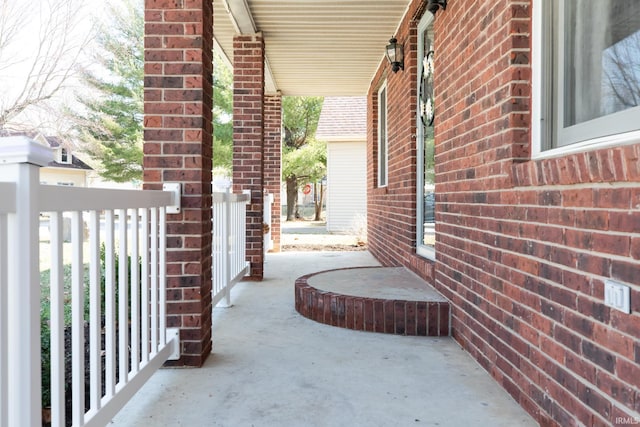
x=346, y=184
x=63, y=176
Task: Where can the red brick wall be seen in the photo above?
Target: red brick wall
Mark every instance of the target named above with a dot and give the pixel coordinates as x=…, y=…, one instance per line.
x=523, y=246
x=248, y=138
x=273, y=161
x=178, y=147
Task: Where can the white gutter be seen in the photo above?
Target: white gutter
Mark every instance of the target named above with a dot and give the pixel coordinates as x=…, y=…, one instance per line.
x=242, y=21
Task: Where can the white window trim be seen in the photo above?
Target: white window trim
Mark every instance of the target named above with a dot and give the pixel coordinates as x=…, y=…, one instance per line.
x=386, y=136
x=59, y=159
x=536, y=80
x=424, y=251
x=428, y=252
x=540, y=70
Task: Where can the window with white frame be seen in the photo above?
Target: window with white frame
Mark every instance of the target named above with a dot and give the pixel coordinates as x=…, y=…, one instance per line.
x=589, y=79
x=64, y=156
x=383, y=144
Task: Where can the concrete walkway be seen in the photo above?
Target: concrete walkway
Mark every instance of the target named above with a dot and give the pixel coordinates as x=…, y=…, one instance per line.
x=272, y=367
x=314, y=233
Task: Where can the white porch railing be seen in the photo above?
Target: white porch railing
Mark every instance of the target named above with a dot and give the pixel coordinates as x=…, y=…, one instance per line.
x=229, y=263
x=129, y=311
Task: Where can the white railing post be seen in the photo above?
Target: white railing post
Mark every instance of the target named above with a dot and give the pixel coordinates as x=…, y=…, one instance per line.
x=20, y=162
x=223, y=228
x=6, y=198
x=227, y=246
x=268, y=203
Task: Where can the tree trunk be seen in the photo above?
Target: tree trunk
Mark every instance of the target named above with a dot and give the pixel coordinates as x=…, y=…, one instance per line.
x=319, y=198
x=292, y=197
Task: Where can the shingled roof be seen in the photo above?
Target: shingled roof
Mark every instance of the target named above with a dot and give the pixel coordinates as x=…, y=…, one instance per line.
x=76, y=163
x=343, y=118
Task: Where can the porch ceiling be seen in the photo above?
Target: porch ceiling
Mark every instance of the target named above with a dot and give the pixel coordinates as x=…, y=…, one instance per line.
x=313, y=47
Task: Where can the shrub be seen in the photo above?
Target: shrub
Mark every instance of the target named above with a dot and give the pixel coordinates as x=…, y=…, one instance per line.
x=45, y=316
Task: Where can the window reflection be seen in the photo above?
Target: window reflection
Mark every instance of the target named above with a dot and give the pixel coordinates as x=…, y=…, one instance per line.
x=429, y=195
x=426, y=110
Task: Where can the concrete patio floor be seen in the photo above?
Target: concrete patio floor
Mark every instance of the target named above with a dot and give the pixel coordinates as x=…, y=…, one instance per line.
x=272, y=367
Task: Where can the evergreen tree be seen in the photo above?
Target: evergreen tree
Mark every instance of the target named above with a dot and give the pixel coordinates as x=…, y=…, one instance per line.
x=111, y=125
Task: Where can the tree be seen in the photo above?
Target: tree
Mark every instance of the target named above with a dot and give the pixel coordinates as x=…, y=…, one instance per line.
x=222, y=117
x=621, y=75
x=302, y=156
x=41, y=42
x=307, y=163
x=111, y=124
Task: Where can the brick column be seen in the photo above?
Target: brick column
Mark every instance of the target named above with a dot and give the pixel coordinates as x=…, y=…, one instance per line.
x=178, y=148
x=248, y=138
x=273, y=160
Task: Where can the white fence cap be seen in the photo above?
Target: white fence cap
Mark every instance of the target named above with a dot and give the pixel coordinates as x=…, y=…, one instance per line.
x=21, y=149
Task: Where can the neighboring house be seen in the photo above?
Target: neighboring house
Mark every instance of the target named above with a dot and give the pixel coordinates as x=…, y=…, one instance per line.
x=519, y=200
x=343, y=125
x=66, y=169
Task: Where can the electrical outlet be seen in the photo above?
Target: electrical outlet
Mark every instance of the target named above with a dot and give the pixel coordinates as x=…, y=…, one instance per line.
x=617, y=295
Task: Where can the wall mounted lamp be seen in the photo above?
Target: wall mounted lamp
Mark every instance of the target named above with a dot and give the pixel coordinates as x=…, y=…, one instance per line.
x=395, y=55
x=434, y=5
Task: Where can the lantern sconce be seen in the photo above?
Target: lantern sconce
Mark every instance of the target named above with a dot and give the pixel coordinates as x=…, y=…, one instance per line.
x=434, y=5
x=395, y=55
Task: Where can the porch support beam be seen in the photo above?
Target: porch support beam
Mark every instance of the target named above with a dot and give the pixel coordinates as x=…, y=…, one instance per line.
x=248, y=139
x=178, y=148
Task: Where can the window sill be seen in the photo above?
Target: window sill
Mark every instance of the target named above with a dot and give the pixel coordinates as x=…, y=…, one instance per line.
x=381, y=190
x=426, y=252
x=627, y=138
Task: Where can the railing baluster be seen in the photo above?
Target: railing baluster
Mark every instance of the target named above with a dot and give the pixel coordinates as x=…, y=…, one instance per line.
x=109, y=306
x=144, y=291
x=95, y=311
x=122, y=289
x=162, y=248
x=56, y=321
x=226, y=248
x=242, y=250
x=77, y=320
x=235, y=247
x=233, y=244
x=135, y=292
x=154, y=280
x=219, y=273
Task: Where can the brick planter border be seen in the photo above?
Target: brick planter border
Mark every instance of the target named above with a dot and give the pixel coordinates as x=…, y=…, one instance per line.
x=399, y=317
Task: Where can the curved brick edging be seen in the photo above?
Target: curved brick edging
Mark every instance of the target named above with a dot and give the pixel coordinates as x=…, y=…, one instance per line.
x=400, y=317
